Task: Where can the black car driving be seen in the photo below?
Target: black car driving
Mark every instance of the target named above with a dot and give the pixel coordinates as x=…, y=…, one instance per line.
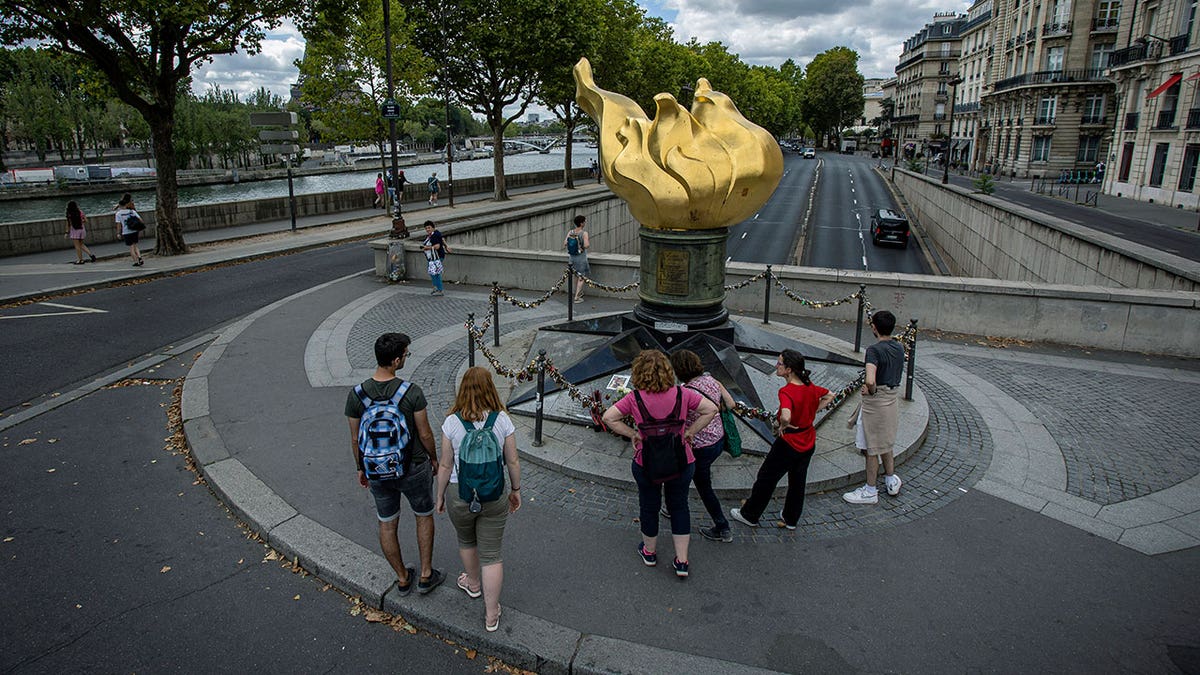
x=889, y=227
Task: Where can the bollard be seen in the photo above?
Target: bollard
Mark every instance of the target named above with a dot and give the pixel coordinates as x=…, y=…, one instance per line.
x=912, y=359
x=541, y=397
x=570, y=292
x=470, y=340
x=862, y=292
x=767, y=296
x=496, y=313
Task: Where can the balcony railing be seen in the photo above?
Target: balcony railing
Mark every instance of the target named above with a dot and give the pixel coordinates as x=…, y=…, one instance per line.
x=905, y=118
x=1121, y=57
x=1043, y=120
x=966, y=107
x=1131, y=121
x=1106, y=24
x=939, y=116
x=1010, y=43
x=1051, y=77
x=1166, y=119
x=948, y=54
x=1193, y=118
x=1056, y=28
x=940, y=96
x=1093, y=119
x=1178, y=44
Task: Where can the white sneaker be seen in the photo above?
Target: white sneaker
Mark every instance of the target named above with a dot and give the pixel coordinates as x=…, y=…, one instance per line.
x=863, y=495
x=893, y=483
x=736, y=514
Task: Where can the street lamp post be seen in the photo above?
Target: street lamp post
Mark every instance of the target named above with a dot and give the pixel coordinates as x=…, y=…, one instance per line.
x=391, y=92
x=449, y=153
x=953, y=82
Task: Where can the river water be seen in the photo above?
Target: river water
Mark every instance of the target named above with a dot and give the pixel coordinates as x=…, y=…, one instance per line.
x=94, y=204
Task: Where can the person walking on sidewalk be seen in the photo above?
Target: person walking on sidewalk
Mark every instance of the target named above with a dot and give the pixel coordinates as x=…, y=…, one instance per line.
x=878, y=415
x=434, y=188
x=655, y=403
x=393, y=447
x=709, y=441
x=577, y=244
x=123, y=217
x=434, y=247
x=790, y=454
x=76, y=232
x=479, y=519
x=379, y=191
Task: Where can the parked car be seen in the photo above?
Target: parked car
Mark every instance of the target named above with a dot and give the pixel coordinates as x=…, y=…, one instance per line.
x=889, y=227
x=810, y=153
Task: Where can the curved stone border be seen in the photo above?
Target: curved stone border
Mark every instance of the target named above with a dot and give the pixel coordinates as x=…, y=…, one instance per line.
x=526, y=641
x=1028, y=468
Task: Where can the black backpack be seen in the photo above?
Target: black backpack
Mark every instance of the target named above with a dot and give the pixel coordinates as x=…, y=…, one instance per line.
x=664, y=456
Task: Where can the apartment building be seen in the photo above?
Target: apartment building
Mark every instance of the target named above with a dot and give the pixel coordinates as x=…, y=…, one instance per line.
x=1051, y=107
x=872, y=102
x=1156, y=144
x=975, y=66
x=922, y=101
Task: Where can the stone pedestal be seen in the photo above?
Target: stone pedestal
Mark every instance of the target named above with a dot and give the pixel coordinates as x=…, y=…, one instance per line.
x=683, y=277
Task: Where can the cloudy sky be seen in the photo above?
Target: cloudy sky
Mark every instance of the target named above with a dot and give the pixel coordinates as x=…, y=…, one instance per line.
x=762, y=32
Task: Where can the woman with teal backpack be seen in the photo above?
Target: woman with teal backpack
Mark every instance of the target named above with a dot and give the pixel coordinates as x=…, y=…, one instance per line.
x=478, y=441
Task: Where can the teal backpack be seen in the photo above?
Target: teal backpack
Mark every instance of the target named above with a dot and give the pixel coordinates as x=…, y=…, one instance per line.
x=480, y=464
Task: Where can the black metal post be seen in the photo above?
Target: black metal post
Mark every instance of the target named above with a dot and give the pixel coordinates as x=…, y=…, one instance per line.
x=541, y=398
x=496, y=313
x=912, y=359
x=391, y=92
x=767, y=296
x=450, y=150
x=862, y=292
x=470, y=339
x=291, y=191
x=570, y=292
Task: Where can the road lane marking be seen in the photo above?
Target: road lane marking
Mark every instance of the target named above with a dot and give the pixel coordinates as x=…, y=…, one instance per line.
x=864, y=262
x=72, y=310
x=744, y=234
x=756, y=216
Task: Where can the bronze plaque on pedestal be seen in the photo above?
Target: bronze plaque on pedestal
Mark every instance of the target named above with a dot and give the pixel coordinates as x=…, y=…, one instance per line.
x=672, y=278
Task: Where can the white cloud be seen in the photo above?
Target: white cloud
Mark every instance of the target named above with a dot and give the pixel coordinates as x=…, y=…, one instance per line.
x=766, y=32
x=272, y=68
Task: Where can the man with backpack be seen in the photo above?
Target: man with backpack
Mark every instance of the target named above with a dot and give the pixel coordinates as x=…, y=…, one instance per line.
x=393, y=444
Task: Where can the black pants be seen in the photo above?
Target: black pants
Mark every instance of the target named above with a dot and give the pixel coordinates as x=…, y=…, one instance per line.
x=781, y=460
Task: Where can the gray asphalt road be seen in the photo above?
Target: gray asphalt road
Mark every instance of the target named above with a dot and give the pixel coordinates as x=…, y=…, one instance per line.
x=771, y=235
x=838, y=236
x=116, y=560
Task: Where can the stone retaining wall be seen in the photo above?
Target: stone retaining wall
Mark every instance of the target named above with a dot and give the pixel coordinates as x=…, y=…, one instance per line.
x=47, y=235
x=981, y=236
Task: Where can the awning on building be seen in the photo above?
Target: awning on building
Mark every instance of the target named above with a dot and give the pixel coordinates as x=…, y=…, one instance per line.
x=1165, y=85
x=1193, y=76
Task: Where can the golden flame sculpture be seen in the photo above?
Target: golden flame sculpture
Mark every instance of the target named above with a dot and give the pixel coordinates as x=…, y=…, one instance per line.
x=699, y=170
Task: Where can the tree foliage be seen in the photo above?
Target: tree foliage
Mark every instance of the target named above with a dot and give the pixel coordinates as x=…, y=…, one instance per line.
x=833, y=95
x=146, y=51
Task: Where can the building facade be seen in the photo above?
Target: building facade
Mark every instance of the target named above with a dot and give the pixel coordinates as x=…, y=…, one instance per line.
x=975, y=69
x=1156, y=143
x=1051, y=106
x=929, y=59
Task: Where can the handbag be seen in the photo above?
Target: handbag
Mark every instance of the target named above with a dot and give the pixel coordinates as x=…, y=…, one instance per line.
x=733, y=437
x=134, y=223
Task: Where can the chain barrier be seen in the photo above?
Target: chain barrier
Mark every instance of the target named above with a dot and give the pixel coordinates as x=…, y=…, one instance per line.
x=792, y=295
x=604, y=287
x=746, y=282
x=533, y=303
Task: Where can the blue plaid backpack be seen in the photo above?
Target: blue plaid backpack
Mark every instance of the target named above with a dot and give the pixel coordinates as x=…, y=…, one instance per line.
x=480, y=464
x=383, y=435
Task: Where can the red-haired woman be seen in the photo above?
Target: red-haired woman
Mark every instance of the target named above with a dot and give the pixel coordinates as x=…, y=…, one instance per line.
x=479, y=525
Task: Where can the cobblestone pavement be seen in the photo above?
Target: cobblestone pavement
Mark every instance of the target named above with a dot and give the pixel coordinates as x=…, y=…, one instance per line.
x=412, y=315
x=1108, y=426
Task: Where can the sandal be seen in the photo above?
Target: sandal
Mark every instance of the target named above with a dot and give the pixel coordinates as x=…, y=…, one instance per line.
x=462, y=583
x=493, y=627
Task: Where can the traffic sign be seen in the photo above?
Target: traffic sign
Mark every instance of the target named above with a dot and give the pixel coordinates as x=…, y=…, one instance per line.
x=272, y=119
x=285, y=135
x=279, y=149
x=391, y=109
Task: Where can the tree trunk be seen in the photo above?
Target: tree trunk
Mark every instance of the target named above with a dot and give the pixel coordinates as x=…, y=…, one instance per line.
x=168, y=235
x=501, y=193
x=568, y=170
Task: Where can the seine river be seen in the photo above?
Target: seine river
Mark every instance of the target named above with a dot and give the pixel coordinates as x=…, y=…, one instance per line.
x=44, y=208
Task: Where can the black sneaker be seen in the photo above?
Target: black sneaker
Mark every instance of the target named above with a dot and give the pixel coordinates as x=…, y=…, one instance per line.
x=648, y=559
x=435, y=579
x=681, y=569
x=713, y=534
x=405, y=589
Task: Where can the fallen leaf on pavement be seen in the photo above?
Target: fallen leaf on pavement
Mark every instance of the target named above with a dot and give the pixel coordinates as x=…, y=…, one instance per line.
x=471, y=653
x=51, y=440
x=375, y=616
x=297, y=597
x=7, y=539
x=51, y=470
x=27, y=441
x=165, y=569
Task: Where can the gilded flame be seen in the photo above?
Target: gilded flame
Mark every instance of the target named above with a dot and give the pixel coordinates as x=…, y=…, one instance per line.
x=698, y=170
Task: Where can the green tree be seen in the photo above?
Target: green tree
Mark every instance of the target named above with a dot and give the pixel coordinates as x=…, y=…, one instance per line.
x=147, y=51
x=486, y=54
x=833, y=95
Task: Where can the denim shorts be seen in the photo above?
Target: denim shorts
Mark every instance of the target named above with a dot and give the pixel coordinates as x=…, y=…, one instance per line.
x=417, y=487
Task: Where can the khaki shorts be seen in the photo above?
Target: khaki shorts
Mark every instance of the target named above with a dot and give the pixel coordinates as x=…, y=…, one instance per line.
x=482, y=531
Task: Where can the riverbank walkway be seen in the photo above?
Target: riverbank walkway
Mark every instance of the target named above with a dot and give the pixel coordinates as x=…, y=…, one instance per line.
x=1050, y=521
